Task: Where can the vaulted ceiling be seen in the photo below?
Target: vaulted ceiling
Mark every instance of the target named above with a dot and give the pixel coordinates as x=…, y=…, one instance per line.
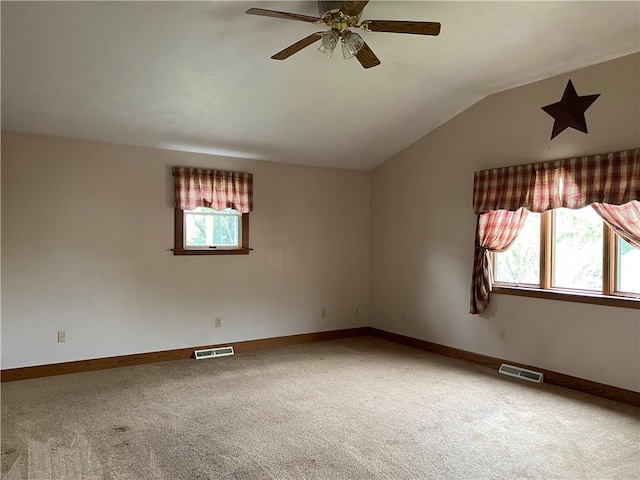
x=197, y=76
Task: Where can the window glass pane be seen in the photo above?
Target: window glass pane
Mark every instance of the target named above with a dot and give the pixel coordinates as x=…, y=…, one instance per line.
x=198, y=229
x=578, y=249
x=521, y=262
x=628, y=267
x=206, y=227
x=226, y=230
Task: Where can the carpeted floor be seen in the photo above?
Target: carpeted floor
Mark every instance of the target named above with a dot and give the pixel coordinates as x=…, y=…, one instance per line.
x=359, y=408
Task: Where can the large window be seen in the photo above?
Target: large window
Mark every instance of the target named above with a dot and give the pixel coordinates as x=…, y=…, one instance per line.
x=569, y=253
x=565, y=251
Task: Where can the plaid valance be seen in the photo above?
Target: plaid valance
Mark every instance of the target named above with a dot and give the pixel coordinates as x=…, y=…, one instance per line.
x=215, y=189
x=612, y=178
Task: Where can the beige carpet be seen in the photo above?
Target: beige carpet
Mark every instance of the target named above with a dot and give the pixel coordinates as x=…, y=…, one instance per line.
x=359, y=408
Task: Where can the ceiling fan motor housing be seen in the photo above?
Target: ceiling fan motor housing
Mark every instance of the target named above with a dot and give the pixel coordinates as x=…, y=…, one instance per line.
x=325, y=6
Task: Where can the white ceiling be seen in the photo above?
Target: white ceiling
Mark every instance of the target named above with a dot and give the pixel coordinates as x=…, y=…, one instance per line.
x=196, y=76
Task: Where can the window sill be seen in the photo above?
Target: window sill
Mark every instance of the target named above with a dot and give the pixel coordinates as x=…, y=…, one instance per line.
x=595, y=299
x=213, y=251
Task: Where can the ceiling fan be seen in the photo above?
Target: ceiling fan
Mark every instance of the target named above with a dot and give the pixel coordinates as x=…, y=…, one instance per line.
x=340, y=17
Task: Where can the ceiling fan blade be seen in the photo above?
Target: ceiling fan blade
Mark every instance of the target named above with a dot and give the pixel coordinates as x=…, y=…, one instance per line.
x=366, y=57
x=285, y=15
x=398, y=26
x=296, y=47
x=353, y=8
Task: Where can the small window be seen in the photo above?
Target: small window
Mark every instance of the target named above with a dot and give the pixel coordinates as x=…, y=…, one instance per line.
x=520, y=264
x=577, y=249
x=208, y=228
x=628, y=266
x=204, y=231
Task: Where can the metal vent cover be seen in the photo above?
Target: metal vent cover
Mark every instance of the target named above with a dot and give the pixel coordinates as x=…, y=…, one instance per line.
x=523, y=373
x=213, y=352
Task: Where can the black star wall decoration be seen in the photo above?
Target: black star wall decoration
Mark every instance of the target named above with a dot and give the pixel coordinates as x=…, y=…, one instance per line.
x=569, y=111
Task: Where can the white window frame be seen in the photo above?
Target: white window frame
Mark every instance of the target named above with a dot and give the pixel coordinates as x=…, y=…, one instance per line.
x=213, y=213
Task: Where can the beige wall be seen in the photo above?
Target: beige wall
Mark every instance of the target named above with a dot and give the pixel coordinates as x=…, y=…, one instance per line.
x=86, y=233
x=422, y=230
x=86, y=229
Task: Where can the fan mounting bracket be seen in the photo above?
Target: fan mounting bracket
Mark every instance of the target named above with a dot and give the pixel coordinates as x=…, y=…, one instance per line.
x=338, y=20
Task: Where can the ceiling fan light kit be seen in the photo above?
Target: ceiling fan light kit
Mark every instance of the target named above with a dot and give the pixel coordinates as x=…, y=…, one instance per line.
x=340, y=17
x=329, y=41
x=352, y=43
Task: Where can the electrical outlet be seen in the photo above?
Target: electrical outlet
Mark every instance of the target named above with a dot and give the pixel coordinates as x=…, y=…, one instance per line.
x=503, y=335
x=62, y=336
x=357, y=311
x=404, y=316
x=323, y=312
x=218, y=322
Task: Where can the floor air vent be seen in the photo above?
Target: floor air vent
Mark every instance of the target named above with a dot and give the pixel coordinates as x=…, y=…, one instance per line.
x=213, y=352
x=529, y=375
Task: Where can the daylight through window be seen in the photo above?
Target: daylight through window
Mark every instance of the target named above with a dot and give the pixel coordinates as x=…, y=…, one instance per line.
x=208, y=228
x=572, y=252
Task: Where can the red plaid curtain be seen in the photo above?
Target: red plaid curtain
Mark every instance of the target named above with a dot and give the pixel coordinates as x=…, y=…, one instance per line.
x=623, y=219
x=612, y=178
x=495, y=232
x=609, y=179
x=214, y=189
